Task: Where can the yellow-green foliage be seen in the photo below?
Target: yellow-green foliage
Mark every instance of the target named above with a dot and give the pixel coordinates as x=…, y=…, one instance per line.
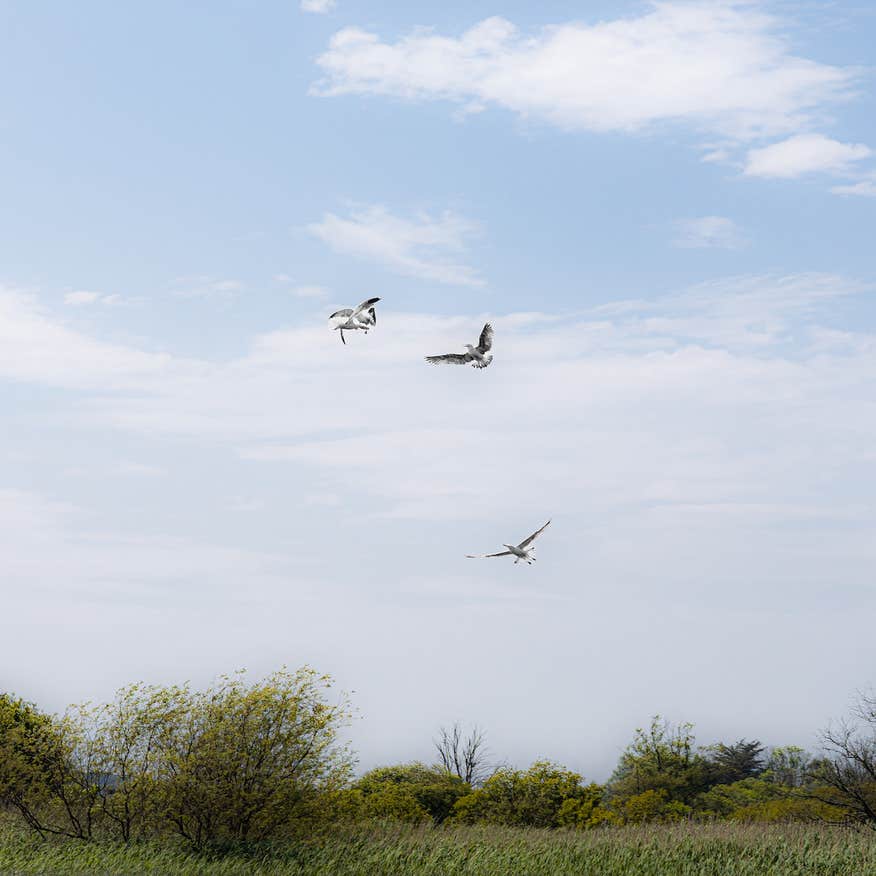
x=764, y=800
x=586, y=811
x=651, y=807
x=410, y=792
x=663, y=759
x=526, y=798
x=237, y=762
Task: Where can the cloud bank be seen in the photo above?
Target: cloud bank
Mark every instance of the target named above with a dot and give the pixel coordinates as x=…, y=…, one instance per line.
x=722, y=67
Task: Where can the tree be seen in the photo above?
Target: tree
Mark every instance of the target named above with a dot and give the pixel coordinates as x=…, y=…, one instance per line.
x=788, y=765
x=463, y=756
x=846, y=776
x=28, y=742
x=410, y=792
x=530, y=798
x=651, y=806
x=732, y=763
x=661, y=758
x=236, y=762
x=243, y=761
x=585, y=809
x=130, y=773
x=45, y=769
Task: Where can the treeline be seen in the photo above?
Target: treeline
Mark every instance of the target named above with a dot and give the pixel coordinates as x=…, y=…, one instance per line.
x=244, y=762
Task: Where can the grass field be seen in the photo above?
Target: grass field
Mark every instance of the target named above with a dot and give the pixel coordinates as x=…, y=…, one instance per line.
x=677, y=850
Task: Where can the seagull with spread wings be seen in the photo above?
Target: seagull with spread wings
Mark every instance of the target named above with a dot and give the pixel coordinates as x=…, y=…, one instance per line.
x=522, y=551
x=479, y=356
x=352, y=318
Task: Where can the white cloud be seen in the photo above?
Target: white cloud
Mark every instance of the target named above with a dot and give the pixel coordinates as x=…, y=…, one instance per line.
x=80, y=555
x=81, y=297
x=84, y=298
x=865, y=188
x=206, y=287
x=35, y=345
x=802, y=154
x=301, y=291
x=318, y=6
x=722, y=67
x=421, y=247
x=309, y=292
x=708, y=232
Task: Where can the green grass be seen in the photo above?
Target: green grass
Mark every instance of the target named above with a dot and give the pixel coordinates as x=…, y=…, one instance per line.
x=670, y=850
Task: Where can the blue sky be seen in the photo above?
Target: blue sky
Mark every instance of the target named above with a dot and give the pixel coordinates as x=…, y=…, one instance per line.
x=665, y=209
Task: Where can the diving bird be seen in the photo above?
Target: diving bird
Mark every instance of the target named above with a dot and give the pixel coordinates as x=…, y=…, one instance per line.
x=522, y=551
x=353, y=318
x=478, y=356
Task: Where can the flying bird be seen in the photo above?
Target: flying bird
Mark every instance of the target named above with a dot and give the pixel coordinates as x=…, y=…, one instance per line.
x=522, y=551
x=478, y=356
x=353, y=318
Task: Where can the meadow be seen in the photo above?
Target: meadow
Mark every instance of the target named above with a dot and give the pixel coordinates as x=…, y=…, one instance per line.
x=388, y=849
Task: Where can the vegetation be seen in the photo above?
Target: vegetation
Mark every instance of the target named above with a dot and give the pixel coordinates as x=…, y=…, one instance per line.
x=252, y=777
x=393, y=850
x=234, y=763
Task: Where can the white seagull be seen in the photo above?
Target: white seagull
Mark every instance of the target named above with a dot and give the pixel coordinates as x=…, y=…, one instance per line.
x=352, y=318
x=520, y=552
x=476, y=355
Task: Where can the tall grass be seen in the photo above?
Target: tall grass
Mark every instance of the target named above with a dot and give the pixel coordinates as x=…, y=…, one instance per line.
x=392, y=850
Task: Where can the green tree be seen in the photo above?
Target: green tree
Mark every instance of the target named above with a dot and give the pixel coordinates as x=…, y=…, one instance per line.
x=46, y=769
x=531, y=798
x=28, y=742
x=651, y=806
x=241, y=761
x=390, y=790
x=732, y=763
x=762, y=799
x=788, y=765
x=661, y=758
x=130, y=774
x=585, y=810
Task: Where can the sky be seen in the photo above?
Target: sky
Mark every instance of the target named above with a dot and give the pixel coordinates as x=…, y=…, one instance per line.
x=665, y=210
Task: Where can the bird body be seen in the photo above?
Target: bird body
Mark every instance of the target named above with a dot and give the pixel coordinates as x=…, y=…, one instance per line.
x=353, y=318
x=521, y=552
x=478, y=356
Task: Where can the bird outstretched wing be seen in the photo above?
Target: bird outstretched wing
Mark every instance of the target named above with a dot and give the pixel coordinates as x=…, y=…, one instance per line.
x=487, y=556
x=449, y=359
x=486, y=341
x=346, y=313
x=364, y=306
x=526, y=542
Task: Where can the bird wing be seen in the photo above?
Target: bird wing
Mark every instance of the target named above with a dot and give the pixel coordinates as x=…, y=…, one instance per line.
x=341, y=317
x=486, y=341
x=526, y=542
x=365, y=305
x=487, y=556
x=449, y=359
